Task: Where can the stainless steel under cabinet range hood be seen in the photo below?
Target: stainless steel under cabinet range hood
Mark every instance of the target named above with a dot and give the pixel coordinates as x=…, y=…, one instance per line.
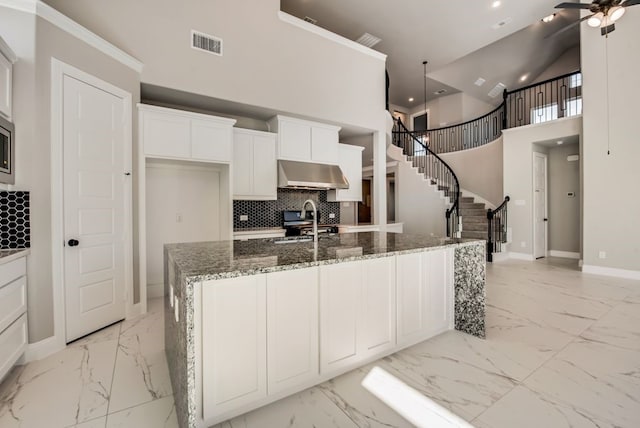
x=304, y=175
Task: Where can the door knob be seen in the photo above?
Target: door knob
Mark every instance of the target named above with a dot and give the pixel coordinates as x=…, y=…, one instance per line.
x=546, y=219
x=73, y=242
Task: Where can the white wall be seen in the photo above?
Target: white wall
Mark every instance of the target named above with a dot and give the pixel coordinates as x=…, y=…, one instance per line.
x=451, y=110
x=266, y=62
x=611, y=205
x=183, y=205
x=568, y=62
x=36, y=41
x=518, y=148
x=479, y=170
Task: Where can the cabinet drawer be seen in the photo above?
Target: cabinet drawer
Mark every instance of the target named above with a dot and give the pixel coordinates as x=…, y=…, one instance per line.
x=13, y=301
x=12, y=270
x=13, y=342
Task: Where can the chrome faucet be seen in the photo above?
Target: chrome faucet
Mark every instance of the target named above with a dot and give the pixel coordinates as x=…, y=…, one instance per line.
x=303, y=215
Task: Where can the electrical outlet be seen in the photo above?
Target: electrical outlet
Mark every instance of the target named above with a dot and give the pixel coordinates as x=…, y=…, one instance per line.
x=602, y=255
x=332, y=215
x=244, y=217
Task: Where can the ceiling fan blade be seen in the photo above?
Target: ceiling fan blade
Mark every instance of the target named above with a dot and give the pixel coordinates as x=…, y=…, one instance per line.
x=575, y=5
x=568, y=27
x=630, y=3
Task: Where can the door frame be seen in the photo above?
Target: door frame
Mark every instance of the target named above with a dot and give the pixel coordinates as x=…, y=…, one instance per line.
x=58, y=70
x=546, y=202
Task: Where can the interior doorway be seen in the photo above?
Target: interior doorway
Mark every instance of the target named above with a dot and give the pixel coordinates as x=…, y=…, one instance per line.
x=364, y=207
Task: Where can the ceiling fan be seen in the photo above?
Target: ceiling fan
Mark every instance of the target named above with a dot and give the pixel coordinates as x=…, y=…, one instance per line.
x=604, y=13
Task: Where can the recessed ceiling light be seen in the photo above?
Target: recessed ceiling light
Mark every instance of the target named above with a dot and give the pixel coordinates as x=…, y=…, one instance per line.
x=549, y=18
x=410, y=100
x=523, y=77
x=559, y=142
x=501, y=23
x=496, y=3
x=440, y=92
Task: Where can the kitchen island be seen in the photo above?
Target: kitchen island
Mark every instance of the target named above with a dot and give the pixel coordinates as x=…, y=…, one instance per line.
x=250, y=322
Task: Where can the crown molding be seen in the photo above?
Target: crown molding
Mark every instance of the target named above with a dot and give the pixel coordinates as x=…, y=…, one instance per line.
x=64, y=23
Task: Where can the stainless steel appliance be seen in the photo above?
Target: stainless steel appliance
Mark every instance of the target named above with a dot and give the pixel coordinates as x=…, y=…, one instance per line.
x=7, y=152
x=305, y=175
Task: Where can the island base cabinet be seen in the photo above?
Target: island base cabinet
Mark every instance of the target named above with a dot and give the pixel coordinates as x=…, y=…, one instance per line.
x=357, y=312
x=425, y=300
x=234, y=371
x=292, y=328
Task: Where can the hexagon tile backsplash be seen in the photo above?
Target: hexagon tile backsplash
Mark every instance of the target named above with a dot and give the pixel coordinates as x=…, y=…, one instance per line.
x=15, y=229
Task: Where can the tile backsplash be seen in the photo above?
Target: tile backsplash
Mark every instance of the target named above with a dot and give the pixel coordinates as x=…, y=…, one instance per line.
x=269, y=213
x=15, y=228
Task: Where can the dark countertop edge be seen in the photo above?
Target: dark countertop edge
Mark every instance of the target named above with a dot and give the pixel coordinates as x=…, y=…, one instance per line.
x=193, y=278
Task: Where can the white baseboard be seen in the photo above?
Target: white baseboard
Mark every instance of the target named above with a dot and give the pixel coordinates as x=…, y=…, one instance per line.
x=500, y=257
x=155, y=290
x=42, y=349
x=521, y=256
x=564, y=254
x=606, y=271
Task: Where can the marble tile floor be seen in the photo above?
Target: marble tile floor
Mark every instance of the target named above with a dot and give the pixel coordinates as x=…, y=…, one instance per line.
x=562, y=350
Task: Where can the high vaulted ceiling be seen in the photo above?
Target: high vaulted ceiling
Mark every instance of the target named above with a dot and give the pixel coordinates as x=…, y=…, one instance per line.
x=457, y=37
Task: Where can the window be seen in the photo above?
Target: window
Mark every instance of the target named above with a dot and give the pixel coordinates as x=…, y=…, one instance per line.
x=575, y=80
x=544, y=113
x=573, y=107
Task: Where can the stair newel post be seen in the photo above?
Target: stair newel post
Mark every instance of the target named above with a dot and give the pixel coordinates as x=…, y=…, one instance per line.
x=505, y=95
x=448, y=215
x=489, y=235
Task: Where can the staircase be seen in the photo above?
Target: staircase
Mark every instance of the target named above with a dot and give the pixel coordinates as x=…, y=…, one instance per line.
x=474, y=218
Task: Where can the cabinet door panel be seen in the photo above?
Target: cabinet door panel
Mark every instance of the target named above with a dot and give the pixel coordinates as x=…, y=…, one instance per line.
x=167, y=135
x=210, y=141
x=5, y=86
x=295, y=141
x=292, y=328
x=379, y=305
x=233, y=343
x=340, y=294
x=265, y=172
x=438, y=286
x=324, y=145
x=242, y=164
x=411, y=308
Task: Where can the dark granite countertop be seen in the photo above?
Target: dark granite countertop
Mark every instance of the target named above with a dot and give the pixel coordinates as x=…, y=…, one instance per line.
x=201, y=261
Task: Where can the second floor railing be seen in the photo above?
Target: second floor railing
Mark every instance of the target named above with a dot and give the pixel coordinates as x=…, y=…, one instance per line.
x=541, y=102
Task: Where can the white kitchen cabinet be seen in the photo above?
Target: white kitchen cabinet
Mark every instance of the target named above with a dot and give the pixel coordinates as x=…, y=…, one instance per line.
x=292, y=328
x=233, y=343
x=350, y=162
x=7, y=59
x=178, y=134
x=340, y=302
x=378, y=315
x=357, y=311
x=13, y=311
x=255, y=174
x=306, y=141
x=424, y=293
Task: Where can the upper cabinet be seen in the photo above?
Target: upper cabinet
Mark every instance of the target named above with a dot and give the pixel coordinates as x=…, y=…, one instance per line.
x=255, y=174
x=7, y=59
x=306, y=141
x=350, y=162
x=178, y=134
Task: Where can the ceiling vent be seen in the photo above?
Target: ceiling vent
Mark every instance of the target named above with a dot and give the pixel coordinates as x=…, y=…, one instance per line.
x=440, y=92
x=497, y=90
x=205, y=42
x=310, y=20
x=501, y=24
x=368, y=40
x=479, y=82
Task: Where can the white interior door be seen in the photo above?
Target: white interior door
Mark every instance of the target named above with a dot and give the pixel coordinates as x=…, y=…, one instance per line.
x=95, y=208
x=539, y=205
